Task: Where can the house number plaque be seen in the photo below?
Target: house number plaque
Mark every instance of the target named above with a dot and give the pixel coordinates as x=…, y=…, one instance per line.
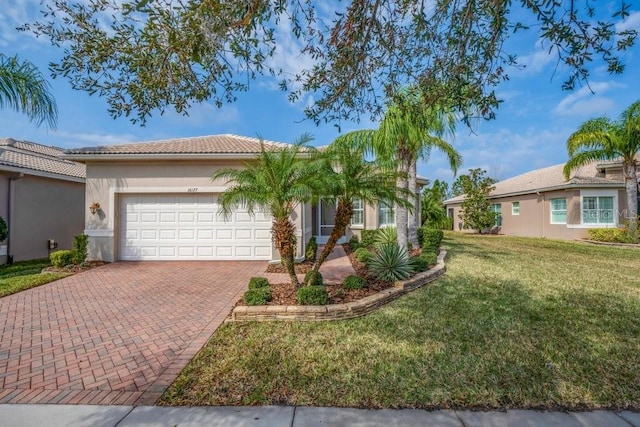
x=192, y=189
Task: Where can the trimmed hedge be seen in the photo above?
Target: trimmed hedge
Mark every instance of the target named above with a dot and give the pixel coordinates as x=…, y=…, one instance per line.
x=611, y=235
x=429, y=237
x=354, y=282
x=430, y=257
x=61, y=258
x=313, y=278
x=258, y=282
x=257, y=296
x=311, y=250
x=368, y=238
x=354, y=243
x=420, y=263
x=312, y=295
x=80, y=248
x=363, y=254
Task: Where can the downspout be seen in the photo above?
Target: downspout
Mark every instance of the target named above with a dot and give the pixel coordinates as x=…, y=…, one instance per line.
x=9, y=216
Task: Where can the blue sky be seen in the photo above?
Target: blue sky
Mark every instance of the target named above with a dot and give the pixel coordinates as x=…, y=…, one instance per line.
x=530, y=130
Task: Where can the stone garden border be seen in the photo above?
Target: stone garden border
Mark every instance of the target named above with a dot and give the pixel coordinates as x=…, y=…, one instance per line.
x=350, y=310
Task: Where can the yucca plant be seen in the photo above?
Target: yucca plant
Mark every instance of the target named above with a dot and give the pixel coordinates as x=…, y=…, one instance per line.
x=390, y=263
x=386, y=235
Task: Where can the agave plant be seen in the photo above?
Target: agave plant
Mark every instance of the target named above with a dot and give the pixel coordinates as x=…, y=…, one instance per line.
x=386, y=236
x=390, y=263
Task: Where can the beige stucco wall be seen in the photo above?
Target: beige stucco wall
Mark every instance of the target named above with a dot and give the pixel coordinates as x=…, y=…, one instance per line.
x=44, y=209
x=535, y=214
x=107, y=181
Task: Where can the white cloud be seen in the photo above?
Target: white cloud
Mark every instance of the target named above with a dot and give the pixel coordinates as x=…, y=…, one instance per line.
x=631, y=22
x=204, y=114
x=89, y=139
x=588, y=101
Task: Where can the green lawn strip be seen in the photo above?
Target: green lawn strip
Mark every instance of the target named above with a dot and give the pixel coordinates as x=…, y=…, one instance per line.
x=514, y=323
x=24, y=275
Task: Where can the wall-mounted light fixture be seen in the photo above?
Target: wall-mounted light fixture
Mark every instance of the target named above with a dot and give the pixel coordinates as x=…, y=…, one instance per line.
x=95, y=207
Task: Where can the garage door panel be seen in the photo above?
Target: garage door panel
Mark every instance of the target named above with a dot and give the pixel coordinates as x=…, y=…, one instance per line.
x=174, y=227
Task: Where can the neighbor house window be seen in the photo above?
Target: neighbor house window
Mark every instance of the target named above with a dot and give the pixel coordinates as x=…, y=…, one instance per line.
x=386, y=214
x=515, y=208
x=597, y=210
x=559, y=211
x=358, y=212
x=497, y=208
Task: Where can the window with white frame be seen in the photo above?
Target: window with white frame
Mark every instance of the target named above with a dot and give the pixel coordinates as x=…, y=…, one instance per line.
x=497, y=208
x=515, y=208
x=357, y=218
x=559, y=211
x=598, y=210
x=386, y=214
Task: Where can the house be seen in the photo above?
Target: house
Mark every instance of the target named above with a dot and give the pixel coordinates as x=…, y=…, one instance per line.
x=542, y=203
x=157, y=201
x=41, y=199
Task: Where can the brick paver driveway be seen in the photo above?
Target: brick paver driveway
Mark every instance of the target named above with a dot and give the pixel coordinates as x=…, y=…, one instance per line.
x=118, y=334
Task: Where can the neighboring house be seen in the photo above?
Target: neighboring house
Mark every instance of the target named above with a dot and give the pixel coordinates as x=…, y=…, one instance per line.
x=41, y=199
x=158, y=202
x=541, y=203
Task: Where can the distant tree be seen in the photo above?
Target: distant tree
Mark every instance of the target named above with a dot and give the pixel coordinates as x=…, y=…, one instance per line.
x=146, y=55
x=24, y=89
x=605, y=139
x=476, y=211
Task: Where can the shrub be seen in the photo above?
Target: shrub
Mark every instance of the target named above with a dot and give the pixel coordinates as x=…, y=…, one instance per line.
x=354, y=282
x=612, y=235
x=313, y=278
x=354, y=243
x=80, y=248
x=390, y=263
x=61, y=258
x=312, y=295
x=428, y=237
x=363, y=254
x=257, y=296
x=311, y=250
x=386, y=235
x=4, y=230
x=430, y=257
x=368, y=238
x=258, y=282
x=420, y=263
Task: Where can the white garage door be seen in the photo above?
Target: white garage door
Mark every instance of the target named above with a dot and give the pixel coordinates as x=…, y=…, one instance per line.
x=189, y=227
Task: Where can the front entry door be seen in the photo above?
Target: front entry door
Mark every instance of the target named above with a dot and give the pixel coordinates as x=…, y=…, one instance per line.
x=326, y=220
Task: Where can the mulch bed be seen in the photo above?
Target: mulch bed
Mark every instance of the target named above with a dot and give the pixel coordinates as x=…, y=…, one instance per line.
x=301, y=267
x=88, y=265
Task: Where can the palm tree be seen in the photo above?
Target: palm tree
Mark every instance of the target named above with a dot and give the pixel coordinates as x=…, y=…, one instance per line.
x=24, y=89
x=351, y=177
x=280, y=180
x=409, y=131
x=604, y=139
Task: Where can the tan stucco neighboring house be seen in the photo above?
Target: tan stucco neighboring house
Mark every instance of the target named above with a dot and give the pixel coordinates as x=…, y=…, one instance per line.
x=158, y=202
x=41, y=199
x=542, y=203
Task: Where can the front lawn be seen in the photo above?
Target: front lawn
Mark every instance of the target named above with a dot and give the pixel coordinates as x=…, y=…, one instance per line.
x=24, y=275
x=514, y=323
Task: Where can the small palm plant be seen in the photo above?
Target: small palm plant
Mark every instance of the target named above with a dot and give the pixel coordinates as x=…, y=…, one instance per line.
x=390, y=263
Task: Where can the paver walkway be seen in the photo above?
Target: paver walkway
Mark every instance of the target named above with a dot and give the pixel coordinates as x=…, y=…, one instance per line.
x=118, y=334
x=333, y=270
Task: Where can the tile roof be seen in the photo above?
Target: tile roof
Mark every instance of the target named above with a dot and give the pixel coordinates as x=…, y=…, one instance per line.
x=546, y=179
x=212, y=144
x=36, y=157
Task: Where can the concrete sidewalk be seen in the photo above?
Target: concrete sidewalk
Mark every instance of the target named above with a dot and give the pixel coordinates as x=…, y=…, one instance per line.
x=288, y=416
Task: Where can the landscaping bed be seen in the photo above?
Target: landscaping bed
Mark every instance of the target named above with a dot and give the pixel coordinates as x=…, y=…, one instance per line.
x=74, y=268
x=515, y=323
x=23, y=275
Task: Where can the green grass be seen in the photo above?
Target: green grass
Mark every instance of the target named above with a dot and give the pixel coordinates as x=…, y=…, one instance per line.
x=514, y=323
x=24, y=275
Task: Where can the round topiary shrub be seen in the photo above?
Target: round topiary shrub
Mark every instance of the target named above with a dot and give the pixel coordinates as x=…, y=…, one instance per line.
x=258, y=282
x=420, y=263
x=430, y=257
x=257, y=296
x=363, y=254
x=313, y=278
x=61, y=258
x=354, y=282
x=312, y=295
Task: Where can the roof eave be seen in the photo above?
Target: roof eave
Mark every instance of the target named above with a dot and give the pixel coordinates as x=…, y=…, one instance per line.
x=82, y=158
x=42, y=174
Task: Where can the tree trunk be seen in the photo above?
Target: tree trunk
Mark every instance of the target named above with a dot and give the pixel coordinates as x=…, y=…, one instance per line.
x=283, y=236
x=401, y=212
x=414, y=214
x=344, y=211
x=631, y=188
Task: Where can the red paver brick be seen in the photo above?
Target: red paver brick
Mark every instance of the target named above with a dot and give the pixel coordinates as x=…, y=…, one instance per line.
x=118, y=334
